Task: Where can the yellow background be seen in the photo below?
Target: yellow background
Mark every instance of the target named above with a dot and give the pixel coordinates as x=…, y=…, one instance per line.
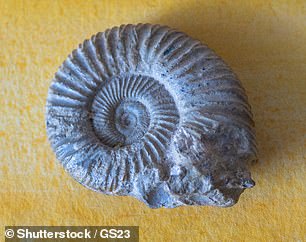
x=263, y=41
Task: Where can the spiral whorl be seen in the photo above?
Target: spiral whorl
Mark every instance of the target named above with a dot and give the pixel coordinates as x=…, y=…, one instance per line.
x=133, y=109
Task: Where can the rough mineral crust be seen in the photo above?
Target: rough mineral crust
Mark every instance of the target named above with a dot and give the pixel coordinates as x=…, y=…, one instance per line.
x=146, y=111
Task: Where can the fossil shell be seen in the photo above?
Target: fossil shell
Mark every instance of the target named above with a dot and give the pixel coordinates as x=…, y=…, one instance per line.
x=146, y=111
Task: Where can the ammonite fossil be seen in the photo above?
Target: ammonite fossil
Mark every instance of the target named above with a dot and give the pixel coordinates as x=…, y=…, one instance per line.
x=144, y=110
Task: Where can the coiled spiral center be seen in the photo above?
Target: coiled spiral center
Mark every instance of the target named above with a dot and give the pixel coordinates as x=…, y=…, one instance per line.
x=131, y=120
x=132, y=109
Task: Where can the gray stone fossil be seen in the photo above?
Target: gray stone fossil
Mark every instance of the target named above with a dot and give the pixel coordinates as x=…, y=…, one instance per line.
x=146, y=111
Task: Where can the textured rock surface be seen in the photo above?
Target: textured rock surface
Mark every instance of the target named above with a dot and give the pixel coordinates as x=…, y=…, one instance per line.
x=146, y=111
